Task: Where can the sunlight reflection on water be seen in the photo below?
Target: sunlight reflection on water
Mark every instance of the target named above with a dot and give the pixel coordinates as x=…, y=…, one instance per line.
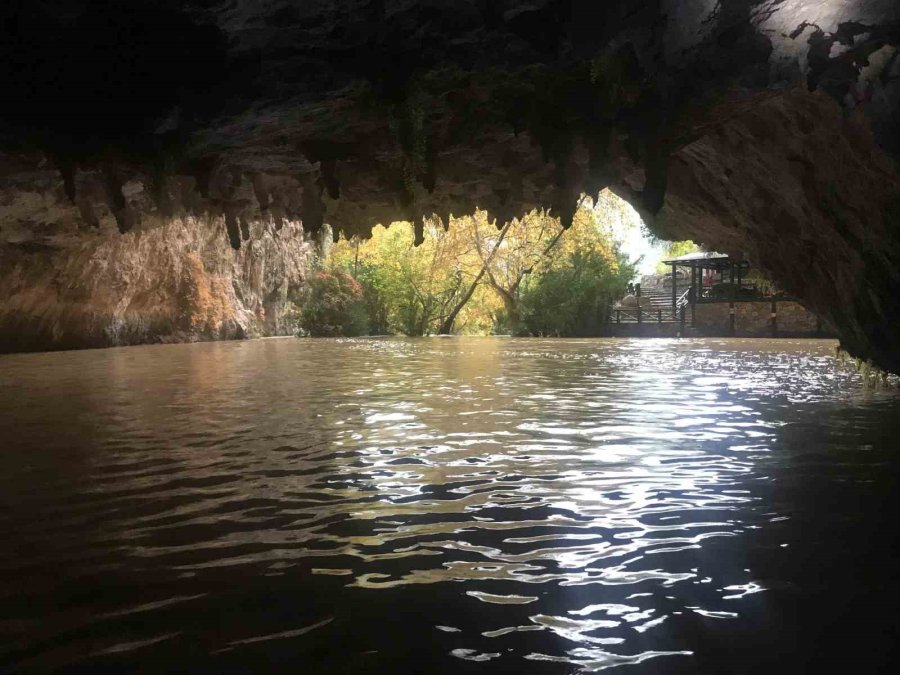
x=566, y=492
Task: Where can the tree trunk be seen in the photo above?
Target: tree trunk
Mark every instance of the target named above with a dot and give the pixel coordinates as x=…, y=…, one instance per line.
x=512, y=310
x=447, y=325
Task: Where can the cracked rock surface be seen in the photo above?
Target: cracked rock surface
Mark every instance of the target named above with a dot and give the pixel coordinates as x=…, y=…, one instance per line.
x=764, y=128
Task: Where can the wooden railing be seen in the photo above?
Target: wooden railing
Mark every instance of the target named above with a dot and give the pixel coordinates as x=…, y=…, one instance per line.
x=653, y=315
x=682, y=301
x=642, y=315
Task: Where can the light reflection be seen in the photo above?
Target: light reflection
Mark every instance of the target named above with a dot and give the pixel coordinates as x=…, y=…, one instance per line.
x=573, y=489
x=595, y=660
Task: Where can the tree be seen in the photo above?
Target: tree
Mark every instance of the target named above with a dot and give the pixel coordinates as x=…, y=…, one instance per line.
x=334, y=306
x=448, y=322
x=412, y=289
x=675, y=249
x=573, y=298
x=573, y=290
x=470, y=276
x=510, y=255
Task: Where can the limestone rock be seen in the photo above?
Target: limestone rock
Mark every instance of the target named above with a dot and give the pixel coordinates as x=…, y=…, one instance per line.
x=353, y=112
x=175, y=281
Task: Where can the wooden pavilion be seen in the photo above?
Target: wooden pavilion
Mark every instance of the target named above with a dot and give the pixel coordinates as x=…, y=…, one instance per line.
x=710, y=271
x=709, y=294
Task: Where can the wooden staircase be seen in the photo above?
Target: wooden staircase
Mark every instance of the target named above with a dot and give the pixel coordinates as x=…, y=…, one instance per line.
x=656, y=307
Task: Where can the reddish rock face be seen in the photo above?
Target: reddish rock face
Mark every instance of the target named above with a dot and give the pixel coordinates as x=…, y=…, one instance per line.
x=761, y=127
x=177, y=281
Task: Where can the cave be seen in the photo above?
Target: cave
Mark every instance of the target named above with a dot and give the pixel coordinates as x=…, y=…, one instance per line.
x=168, y=168
x=762, y=129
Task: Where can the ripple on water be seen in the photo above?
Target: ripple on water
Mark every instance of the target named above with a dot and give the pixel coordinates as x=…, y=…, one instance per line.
x=560, y=499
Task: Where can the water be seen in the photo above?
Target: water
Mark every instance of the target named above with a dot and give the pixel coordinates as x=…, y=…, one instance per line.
x=446, y=505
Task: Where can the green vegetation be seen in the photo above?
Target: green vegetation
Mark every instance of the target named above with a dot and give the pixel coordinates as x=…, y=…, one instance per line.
x=334, y=305
x=527, y=277
x=573, y=300
x=675, y=249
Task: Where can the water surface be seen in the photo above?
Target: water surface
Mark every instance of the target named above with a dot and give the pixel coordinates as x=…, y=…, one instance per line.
x=446, y=505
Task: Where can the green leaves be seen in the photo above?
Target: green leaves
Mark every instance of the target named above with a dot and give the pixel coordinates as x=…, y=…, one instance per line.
x=573, y=298
x=472, y=276
x=334, y=305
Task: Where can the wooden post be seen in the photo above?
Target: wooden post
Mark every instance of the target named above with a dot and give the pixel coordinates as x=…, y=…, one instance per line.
x=618, y=316
x=774, y=319
x=696, y=294
x=682, y=321
x=638, y=294
x=659, y=316
x=731, y=317
x=674, y=288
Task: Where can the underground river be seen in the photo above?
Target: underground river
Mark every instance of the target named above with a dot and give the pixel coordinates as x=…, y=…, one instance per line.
x=446, y=505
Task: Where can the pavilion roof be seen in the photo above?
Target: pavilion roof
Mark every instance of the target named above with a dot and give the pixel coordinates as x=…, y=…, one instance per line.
x=705, y=259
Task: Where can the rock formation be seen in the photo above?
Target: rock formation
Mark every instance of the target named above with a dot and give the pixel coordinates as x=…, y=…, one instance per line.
x=765, y=128
x=174, y=281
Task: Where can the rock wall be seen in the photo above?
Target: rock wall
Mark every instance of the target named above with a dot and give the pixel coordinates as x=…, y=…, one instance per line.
x=792, y=318
x=800, y=188
x=754, y=319
x=175, y=280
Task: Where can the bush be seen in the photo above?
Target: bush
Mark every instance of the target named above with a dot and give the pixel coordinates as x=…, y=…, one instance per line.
x=375, y=300
x=574, y=300
x=334, y=305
